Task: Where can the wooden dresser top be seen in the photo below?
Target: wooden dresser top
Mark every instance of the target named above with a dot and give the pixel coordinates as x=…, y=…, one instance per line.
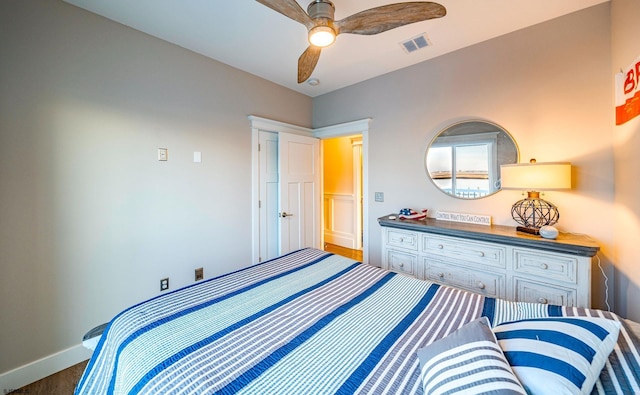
x=568, y=243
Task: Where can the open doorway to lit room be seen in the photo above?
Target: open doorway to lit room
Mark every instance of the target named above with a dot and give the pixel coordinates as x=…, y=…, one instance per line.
x=343, y=195
x=268, y=212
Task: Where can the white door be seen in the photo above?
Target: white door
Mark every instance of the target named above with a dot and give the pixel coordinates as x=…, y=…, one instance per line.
x=269, y=243
x=299, y=170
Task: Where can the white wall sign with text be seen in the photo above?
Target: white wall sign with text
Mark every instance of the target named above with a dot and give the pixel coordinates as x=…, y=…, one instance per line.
x=466, y=218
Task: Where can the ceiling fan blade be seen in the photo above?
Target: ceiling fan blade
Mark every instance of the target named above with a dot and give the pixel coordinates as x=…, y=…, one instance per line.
x=290, y=9
x=379, y=19
x=307, y=62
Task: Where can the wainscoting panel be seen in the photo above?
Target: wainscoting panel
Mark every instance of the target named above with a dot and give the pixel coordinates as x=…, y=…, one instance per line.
x=340, y=219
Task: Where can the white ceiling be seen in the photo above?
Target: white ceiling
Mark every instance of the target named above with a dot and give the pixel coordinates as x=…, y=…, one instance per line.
x=251, y=37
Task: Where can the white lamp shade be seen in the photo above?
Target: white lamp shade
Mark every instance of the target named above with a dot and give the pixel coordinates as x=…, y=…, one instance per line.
x=536, y=176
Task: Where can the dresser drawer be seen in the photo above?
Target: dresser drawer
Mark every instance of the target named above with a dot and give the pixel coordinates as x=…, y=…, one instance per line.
x=547, y=266
x=488, y=284
x=402, y=239
x=496, y=261
x=402, y=262
x=468, y=252
x=530, y=291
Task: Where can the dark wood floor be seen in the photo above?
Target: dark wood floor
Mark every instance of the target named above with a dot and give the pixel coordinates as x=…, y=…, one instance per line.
x=64, y=382
x=61, y=383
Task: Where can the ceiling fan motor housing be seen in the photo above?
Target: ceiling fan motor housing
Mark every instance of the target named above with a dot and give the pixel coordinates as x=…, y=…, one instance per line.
x=321, y=9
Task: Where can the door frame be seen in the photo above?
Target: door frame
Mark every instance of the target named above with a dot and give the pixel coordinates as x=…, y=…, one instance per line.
x=356, y=150
x=360, y=127
x=340, y=130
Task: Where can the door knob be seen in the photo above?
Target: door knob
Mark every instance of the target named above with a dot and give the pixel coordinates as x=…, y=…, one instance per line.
x=284, y=215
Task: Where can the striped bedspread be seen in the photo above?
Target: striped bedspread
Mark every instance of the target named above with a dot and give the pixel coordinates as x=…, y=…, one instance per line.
x=306, y=323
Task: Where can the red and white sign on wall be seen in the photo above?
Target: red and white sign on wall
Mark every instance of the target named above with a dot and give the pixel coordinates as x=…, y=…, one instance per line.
x=628, y=93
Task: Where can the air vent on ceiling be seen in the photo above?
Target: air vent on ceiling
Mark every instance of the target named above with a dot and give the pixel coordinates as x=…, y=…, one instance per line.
x=416, y=43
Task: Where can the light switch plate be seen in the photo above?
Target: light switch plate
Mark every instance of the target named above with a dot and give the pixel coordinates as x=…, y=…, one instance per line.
x=163, y=154
x=197, y=157
x=379, y=196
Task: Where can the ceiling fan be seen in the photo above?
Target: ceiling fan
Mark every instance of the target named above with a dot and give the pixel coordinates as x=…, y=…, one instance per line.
x=323, y=29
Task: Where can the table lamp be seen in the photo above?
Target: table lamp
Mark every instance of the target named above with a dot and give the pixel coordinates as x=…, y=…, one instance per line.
x=532, y=213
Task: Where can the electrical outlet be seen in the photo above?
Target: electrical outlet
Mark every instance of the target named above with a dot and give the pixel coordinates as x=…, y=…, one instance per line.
x=164, y=284
x=199, y=274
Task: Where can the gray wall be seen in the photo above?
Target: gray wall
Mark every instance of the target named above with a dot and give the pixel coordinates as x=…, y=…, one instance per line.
x=550, y=85
x=89, y=219
x=625, y=33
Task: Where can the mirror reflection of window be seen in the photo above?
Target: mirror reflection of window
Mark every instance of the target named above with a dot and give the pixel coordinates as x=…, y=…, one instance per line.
x=461, y=170
x=440, y=165
x=472, y=171
x=464, y=159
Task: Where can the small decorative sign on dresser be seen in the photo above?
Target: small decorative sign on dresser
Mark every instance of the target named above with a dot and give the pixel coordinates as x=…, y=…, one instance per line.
x=465, y=218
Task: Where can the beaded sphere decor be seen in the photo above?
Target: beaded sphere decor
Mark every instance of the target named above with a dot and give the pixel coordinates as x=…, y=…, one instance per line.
x=534, y=212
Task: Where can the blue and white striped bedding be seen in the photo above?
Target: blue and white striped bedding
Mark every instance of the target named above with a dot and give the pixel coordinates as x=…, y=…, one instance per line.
x=308, y=322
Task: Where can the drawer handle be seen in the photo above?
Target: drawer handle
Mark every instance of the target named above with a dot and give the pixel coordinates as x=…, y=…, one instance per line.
x=544, y=266
x=480, y=254
x=402, y=240
x=441, y=275
x=481, y=285
x=401, y=265
x=543, y=300
x=440, y=246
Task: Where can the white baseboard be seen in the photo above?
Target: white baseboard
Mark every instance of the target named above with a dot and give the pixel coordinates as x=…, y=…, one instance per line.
x=339, y=240
x=41, y=368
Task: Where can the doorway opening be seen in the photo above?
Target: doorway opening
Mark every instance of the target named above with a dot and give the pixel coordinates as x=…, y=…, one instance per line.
x=260, y=225
x=342, y=195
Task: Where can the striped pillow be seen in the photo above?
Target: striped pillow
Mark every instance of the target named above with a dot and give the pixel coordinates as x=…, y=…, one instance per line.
x=559, y=355
x=467, y=361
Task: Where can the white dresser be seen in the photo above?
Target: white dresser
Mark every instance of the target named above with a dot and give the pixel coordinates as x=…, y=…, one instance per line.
x=492, y=260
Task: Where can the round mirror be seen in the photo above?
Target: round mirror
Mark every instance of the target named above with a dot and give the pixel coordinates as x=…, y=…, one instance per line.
x=464, y=159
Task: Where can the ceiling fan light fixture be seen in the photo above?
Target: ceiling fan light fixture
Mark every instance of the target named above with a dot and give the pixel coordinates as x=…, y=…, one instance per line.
x=323, y=28
x=322, y=36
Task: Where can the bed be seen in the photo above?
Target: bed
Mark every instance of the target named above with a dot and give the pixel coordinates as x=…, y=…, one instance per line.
x=311, y=322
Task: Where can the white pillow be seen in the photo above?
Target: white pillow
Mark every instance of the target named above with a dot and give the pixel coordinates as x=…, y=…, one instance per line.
x=558, y=355
x=468, y=361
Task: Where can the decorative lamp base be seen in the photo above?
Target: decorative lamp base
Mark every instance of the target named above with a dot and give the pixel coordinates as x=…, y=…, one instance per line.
x=531, y=231
x=534, y=213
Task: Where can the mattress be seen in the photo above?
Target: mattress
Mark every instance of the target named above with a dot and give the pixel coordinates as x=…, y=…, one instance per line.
x=307, y=322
